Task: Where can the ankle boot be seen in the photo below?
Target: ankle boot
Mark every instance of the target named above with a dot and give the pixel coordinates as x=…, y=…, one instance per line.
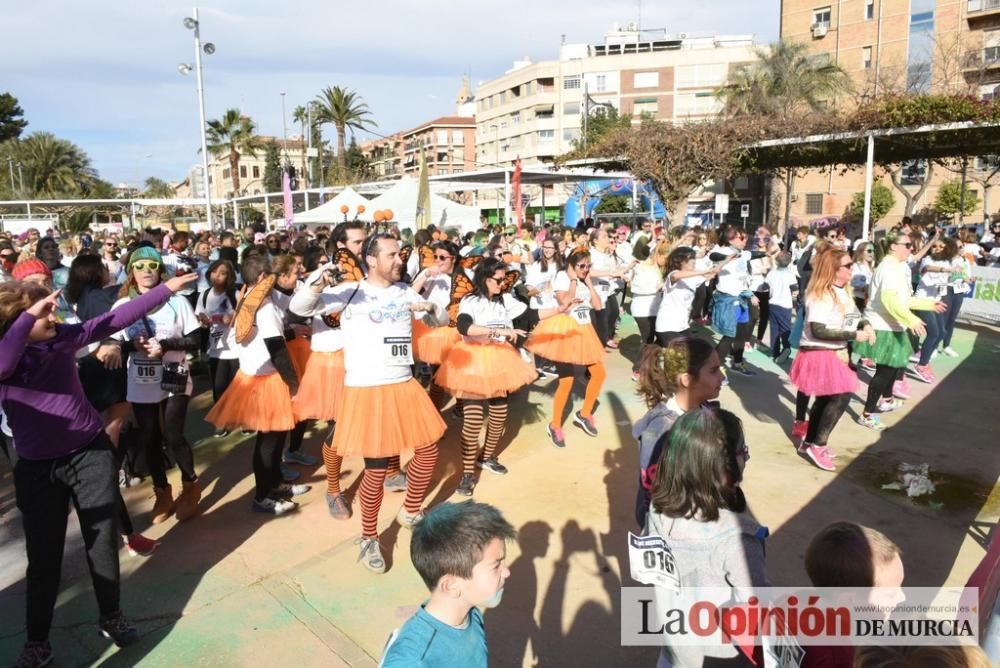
x=164, y=504
x=187, y=502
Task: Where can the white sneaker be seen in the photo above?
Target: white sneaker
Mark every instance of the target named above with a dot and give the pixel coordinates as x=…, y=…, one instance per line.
x=950, y=352
x=915, y=357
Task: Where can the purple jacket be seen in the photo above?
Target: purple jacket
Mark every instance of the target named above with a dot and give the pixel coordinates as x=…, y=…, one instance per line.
x=39, y=387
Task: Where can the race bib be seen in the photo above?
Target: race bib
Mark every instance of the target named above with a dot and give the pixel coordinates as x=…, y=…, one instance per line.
x=651, y=562
x=851, y=321
x=147, y=372
x=499, y=338
x=604, y=287
x=581, y=314
x=397, y=351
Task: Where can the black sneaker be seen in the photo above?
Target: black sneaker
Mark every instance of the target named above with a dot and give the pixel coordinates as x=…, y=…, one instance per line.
x=557, y=436
x=466, y=484
x=546, y=371
x=585, y=423
x=118, y=630
x=286, y=491
x=492, y=465
x=35, y=655
x=222, y=433
x=742, y=369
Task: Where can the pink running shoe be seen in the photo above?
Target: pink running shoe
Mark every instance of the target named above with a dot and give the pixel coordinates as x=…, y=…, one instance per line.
x=868, y=363
x=899, y=390
x=924, y=373
x=820, y=456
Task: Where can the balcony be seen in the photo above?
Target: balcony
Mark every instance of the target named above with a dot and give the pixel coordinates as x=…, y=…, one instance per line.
x=982, y=60
x=977, y=9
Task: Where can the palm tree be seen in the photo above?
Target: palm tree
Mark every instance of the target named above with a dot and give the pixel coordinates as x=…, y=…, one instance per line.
x=52, y=167
x=301, y=116
x=344, y=109
x=233, y=134
x=785, y=80
x=158, y=189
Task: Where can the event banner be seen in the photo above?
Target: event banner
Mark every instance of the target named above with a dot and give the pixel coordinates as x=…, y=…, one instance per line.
x=984, y=303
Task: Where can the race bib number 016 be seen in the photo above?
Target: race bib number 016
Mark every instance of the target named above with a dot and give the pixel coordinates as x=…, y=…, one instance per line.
x=651, y=562
x=397, y=351
x=146, y=372
x=582, y=315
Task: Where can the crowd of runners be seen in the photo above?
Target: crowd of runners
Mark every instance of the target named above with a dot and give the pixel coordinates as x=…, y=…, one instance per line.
x=377, y=335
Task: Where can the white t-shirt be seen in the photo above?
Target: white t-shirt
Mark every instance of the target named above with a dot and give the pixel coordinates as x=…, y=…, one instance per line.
x=861, y=279
x=255, y=360
x=960, y=271
x=839, y=313
x=172, y=320
x=780, y=281
x=734, y=277
x=437, y=289
x=114, y=268
x=579, y=312
x=674, y=313
x=605, y=285
x=491, y=313
x=541, y=280
x=377, y=328
x=646, y=283
x=327, y=336
x=174, y=261
x=217, y=306
x=933, y=283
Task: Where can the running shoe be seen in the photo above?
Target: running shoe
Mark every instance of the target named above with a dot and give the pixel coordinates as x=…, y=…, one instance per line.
x=221, y=433
x=949, y=351
x=742, y=369
x=118, y=630
x=492, y=465
x=35, y=655
x=247, y=432
x=867, y=363
x=271, y=506
x=466, y=485
x=934, y=354
x=140, y=546
x=888, y=405
x=298, y=457
x=289, y=475
x=915, y=357
x=725, y=377
x=819, y=456
x=924, y=373
x=371, y=555
x=871, y=421
x=338, y=506
x=406, y=519
x=585, y=423
x=799, y=429
x=783, y=356
x=612, y=344
x=546, y=371
x=287, y=491
x=395, y=483
x=557, y=437
x=900, y=390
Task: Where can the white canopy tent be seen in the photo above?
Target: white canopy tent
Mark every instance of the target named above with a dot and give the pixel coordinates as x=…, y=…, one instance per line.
x=402, y=200
x=330, y=213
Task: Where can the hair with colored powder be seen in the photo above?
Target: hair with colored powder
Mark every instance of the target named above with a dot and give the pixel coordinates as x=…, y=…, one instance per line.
x=661, y=368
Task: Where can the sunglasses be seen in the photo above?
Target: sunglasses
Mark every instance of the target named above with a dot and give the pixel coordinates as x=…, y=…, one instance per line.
x=908, y=244
x=443, y=258
x=847, y=266
x=583, y=266
x=111, y=245
x=146, y=265
x=497, y=280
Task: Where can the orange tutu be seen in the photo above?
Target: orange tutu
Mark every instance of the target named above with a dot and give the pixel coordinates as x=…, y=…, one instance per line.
x=260, y=403
x=386, y=420
x=562, y=339
x=431, y=344
x=482, y=371
x=322, y=387
x=298, y=350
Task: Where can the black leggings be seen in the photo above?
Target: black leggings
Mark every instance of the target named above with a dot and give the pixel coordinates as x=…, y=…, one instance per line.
x=223, y=372
x=880, y=386
x=801, y=406
x=735, y=343
x=267, y=462
x=825, y=414
x=173, y=412
x=646, y=336
x=764, y=311
x=700, y=301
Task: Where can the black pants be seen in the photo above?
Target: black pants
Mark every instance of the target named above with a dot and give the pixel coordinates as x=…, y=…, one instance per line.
x=735, y=344
x=297, y=435
x=223, y=372
x=700, y=302
x=173, y=412
x=764, y=310
x=613, y=310
x=801, y=406
x=880, y=386
x=267, y=462
x=44, y=490
x=825, y=414
x=646, y=336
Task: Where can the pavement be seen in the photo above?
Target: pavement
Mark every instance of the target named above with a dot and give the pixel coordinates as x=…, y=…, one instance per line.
x=233, y=588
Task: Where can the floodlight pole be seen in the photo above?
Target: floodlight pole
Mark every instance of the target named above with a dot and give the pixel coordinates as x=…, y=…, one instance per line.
x=201, y=116
x=869, y=168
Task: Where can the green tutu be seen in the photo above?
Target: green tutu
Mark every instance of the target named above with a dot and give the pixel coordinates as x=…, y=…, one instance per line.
x=891, y=349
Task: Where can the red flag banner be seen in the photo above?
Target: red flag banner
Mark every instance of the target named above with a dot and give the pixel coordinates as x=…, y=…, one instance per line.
x=516, y=194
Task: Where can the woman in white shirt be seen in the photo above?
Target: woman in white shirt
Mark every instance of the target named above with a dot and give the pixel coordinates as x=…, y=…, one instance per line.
x=647, y=280
x=935, y=274
x=673, y=316
x=958, y=287
x=484, y=368
x=214, y=310
x=732, y=300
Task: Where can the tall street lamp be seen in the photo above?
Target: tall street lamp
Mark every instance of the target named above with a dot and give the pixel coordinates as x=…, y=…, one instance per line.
x=192, y=23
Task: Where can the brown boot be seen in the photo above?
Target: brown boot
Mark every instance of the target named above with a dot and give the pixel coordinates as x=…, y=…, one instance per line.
x=164, y=504
x=187, y=502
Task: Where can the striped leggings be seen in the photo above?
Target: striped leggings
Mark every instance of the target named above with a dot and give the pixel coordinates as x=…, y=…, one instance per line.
x=495, y=411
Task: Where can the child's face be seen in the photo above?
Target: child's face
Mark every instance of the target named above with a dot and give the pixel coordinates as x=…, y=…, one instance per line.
x=888, y=583
x=485, y=588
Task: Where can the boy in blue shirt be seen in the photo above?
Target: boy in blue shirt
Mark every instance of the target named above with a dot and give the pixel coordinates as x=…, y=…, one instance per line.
x=459, y=549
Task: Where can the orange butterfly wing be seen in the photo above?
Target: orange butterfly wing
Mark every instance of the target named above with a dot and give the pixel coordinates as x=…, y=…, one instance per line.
x=510, y=280
x=470, y=262
x=426, y=255
x=460, y=287
x=246, y=310
x=405, y=252
x=351, y=272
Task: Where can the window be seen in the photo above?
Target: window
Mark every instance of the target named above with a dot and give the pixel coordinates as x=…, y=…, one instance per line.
x=243, y=171
x=503, y=96
x=546, y=135
x=442, y=136
x=701, y=76
x=503, y=125
x=256, y=171
x=571, y=109
x=866, y=57
x=442, y=171
x=600, y=83
x=571, y=134
x=821, y=17
x=645, y=105
x=913, y=172
x=989, y=92
x=869, y=10
x=645, y=79
x=814, y=204
x=225, y=173
x=515, y=118
x=571, y=83
x=696, y=104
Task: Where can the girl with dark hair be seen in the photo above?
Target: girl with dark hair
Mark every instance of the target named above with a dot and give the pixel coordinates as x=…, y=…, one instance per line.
x=432, y=344
x=699, y=510
x=935, y=277
x=646, y=285
x=681, y=279
x=731, y=314
x=571, y=342
x=672, y=380
x=484, y=368
x=954, y=297
x=214, y=310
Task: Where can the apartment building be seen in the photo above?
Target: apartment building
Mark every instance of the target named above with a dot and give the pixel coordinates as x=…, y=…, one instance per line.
x=251, y=170
x=895, y=46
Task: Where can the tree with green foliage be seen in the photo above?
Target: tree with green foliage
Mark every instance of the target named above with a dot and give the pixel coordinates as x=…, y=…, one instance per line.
x=344, y=109
x=357, y=165
x=602, y=121
x=614, y=204
x=52, y=167
x=12, y=123
x=158, y=189
x=881, y=203
x=272, y=167
x=949, y=199
x=233, y=134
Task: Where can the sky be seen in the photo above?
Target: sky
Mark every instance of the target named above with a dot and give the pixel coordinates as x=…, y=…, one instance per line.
x=103, y=74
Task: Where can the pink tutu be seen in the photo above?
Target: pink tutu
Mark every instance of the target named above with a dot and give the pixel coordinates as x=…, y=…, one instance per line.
x=821, y=373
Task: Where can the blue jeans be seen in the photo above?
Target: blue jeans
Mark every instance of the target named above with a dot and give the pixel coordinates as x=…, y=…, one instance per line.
x=954, y=302
x=935, y=330
x=780, y=320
